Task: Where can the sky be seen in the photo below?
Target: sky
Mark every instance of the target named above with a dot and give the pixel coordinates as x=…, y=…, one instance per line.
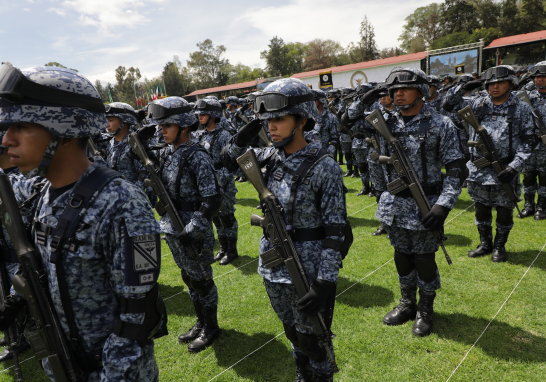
x=97, y=36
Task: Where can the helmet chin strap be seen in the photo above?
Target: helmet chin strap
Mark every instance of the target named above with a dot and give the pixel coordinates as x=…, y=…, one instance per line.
x=50, y=151
x=290, y=138
x=432, y=95
x=206, y=125
x=114, y=133
x=178, y=135
x=407, y=107
x=501, y=96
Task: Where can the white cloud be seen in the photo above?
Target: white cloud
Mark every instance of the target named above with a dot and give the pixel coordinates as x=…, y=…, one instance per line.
x=59, y=11
x=110, y=15
x=26, y=9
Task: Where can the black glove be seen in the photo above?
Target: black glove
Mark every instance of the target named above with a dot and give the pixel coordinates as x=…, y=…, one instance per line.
x=506, y=175
x=248, y=132
x=13, y=305
x=436, y=217
x=184, y=238
x=315, y=299
x=141, y=114
x=146, y=132
x=370, y=96
x=245, y=107
x=471, y=85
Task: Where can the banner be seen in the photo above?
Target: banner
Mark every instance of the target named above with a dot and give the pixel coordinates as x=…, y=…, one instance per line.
x=325, y=80
x=459, y=69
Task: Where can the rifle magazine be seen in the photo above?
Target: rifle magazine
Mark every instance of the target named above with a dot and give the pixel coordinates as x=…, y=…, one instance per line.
x=481, y=163
x=396, y=186
x=271, y=258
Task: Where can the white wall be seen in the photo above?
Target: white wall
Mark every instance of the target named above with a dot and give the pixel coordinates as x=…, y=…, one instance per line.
x=377, y=74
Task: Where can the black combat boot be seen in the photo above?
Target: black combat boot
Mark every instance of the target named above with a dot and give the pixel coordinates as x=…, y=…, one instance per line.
x=486, y=241
x=340, y=157
x=193, y=333
x=380, y=231
x=231, y=252
x=322, y=378
x=7, y=353
x=302, y=371
x=210, y=331
x=423, y=320
x=349, y=171
x=529, y=207
x=356, y=173
x=407, y=308
x=223, y=248
x=499, y=252
x=365, y=189
x=540, y=213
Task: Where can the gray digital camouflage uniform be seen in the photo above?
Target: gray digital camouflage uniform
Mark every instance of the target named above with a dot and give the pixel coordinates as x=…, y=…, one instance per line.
x=320, y=203
x=121, y=158
x=104, y=262
x=537, y=161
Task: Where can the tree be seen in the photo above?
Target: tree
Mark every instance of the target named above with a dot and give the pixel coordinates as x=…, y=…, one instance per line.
x=459, y=16
x=175, y=78
x=295, y=57
x=242, y=73
x=366, y=48
x=103, y=91
x=488, y=12
x=425, y=24
x=276, y=57
x=318, y=55
x=533, y=16
x=391, y=52
x=59, y=66
x=124, y=90
x=510, y=22
x=206, y=65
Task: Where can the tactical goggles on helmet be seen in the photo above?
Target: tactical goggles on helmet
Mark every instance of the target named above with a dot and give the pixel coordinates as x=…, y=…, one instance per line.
x=275, y=101
x=14, y=87
x=498, y=72
x=119, y=110
x=156, y=111
x=202, y=105
x=538, y=71
x=404, y=77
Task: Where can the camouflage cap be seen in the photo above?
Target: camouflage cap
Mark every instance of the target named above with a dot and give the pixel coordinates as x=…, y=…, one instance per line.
x=212, y=97
x=434, y=80
x=320, y=95
x=182, y=120
x=113, y=110
x=508, y=77
x=420, y=84
x=232, y=100
x=291, y=87
x=62, y=121
x=203, y=110
x=536, y=72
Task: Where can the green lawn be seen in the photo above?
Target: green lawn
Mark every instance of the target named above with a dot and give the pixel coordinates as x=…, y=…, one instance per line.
x=252, y=347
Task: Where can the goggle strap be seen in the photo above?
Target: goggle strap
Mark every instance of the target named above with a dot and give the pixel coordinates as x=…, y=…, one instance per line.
x=118, y=110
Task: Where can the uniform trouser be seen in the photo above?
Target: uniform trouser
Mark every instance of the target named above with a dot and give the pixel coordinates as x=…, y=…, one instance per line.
x=414, y=257
x=346, y=148
x=361, y=159
x=195, y=268
x=535, y=167
x=284, y=299
x=227, y=209
x=486, y=197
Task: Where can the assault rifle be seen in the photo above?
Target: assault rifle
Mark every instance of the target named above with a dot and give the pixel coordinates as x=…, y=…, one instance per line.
x=265, y=139
x=537, y=117
x=407, y=177
x=49, y=341
x=165, y=204
x=373, y=141
x=283, y=250
x=487, y=148
x=11, y=335
x=92, y=147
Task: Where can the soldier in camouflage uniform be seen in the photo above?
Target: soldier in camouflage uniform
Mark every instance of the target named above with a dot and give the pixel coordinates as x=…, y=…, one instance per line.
x=345, y=140
x=190, y=179
x=508, y=121
x=318, y=206
x=121, y=118
x=436, y=99
x=535, y=166
x=100, y=268
x=213, y=138
x=333, y=101
x=326, y=123
x=409, y=231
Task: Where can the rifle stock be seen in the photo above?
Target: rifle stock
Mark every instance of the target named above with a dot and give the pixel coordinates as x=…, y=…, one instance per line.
x=283, y=250
x=263, y=136
x=49, y=341
x=407, y=177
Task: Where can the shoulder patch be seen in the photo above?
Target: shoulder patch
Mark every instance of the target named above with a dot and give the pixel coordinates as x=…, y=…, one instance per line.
x=142, y=259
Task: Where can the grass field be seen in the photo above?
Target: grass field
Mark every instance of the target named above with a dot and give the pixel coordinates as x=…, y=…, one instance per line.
x=489, y=321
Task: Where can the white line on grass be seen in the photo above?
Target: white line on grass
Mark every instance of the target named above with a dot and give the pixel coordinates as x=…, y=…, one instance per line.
x=20, y=362
x=362, y=209
x=460, y=212
x=496, y=314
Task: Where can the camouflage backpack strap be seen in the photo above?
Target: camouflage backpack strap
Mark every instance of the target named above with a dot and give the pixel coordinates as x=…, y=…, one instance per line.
x=424, y=127
x=512, y=108
x=192, y=149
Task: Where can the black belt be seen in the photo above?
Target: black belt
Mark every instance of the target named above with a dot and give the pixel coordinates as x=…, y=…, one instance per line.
x=308, y=234
x=186, y=206
x=429, y=191
x=9, y=256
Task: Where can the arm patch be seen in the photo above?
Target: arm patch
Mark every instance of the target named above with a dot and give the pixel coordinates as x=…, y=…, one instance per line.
x=142, y=259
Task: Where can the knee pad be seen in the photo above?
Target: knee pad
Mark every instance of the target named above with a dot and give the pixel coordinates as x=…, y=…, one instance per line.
x=291, y=333
x=186, y=278
x=529, y=178
x=309, y=345
x=505, y=216
x=363, y=167
x=228, y=220
x=425, y=264
x=216, y=221
x=542, y=178
x=483, y=212
x=202, y=286
x=404, y=263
